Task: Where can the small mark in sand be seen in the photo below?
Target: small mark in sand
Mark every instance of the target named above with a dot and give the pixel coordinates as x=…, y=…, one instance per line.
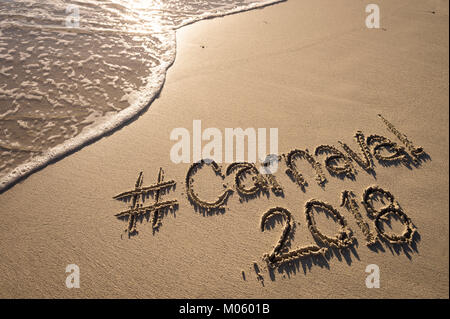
x=243, y=275
x=258, y=274
x=202, y=46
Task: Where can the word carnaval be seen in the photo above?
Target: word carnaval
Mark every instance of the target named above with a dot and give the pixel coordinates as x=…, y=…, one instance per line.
x=338, y=164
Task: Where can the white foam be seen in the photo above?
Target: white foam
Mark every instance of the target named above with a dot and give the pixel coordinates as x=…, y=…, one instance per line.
x=102, y=125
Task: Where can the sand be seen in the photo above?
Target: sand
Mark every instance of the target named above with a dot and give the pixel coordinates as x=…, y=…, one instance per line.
x=313, y=70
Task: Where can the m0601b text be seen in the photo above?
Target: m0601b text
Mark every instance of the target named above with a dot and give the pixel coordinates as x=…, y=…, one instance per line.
x=246, y=308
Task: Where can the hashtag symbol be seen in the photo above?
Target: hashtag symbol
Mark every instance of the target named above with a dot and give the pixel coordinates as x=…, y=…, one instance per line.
x=137, y=198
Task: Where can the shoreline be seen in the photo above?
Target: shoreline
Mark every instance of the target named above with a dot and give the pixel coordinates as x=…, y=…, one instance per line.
x=278, y=67
x=109, y=124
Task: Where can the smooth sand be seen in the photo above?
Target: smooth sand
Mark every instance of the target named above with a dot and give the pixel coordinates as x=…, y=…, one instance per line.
x=313, y=70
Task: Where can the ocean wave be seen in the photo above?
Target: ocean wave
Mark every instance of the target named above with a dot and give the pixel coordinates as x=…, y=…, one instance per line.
x=62, y=88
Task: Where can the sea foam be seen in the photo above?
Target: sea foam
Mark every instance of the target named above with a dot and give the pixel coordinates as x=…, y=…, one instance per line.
x=62, y=87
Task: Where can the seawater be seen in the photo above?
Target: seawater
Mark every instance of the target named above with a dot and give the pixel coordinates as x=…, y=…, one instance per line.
x=73, y=70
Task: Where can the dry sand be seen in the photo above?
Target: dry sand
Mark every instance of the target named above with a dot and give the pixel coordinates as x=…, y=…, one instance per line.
x=310, y=68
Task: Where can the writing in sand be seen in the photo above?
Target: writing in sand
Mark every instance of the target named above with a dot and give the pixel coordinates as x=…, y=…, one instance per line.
x=339, y=163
